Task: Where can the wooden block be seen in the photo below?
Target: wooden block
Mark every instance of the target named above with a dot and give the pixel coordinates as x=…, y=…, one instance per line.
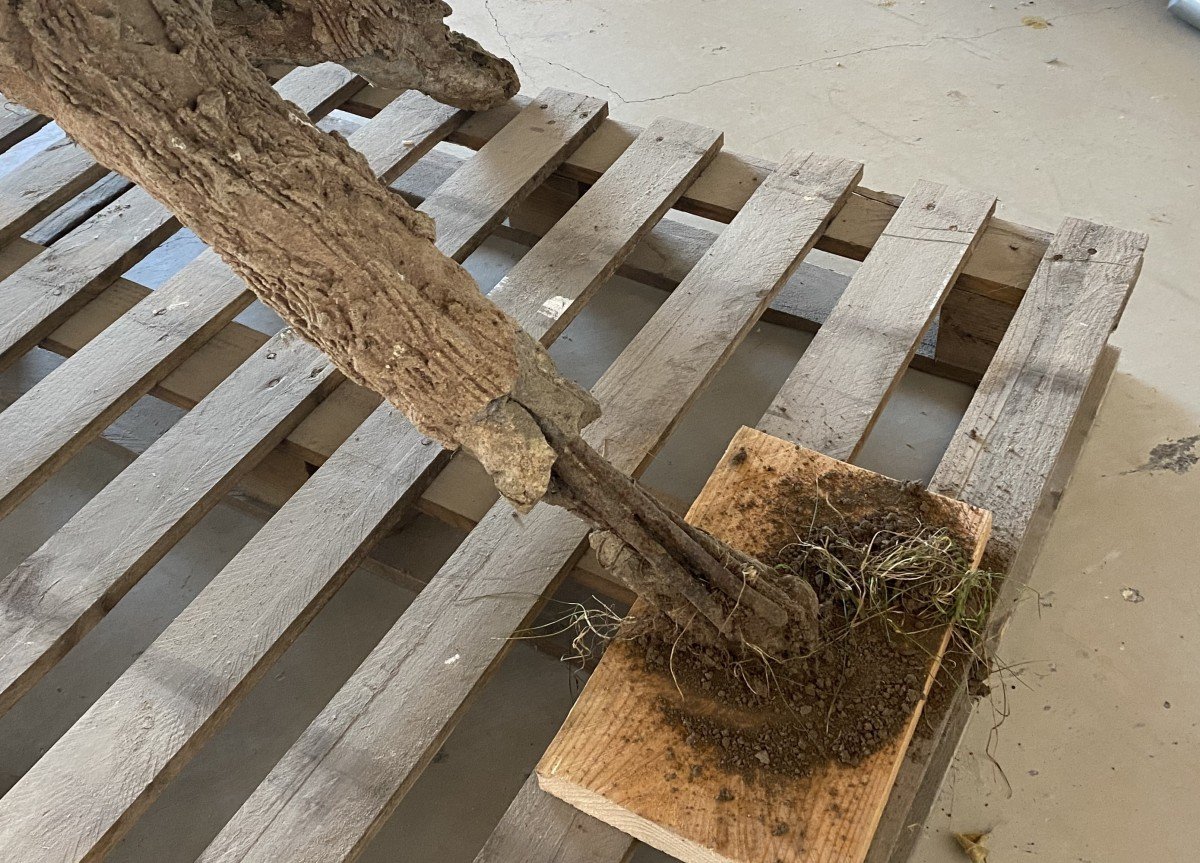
x=611, y=757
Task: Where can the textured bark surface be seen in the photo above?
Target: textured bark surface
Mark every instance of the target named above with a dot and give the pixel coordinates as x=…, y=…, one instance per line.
x=400, y=44
x=156, y=92
x=152, y=89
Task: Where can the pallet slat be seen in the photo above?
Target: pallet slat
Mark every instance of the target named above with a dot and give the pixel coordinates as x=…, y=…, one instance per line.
x=47, y=290
x=867, y=312
x=17, y=123
x=834, y=395
x=425, y=669
x=119, y=789
x=71, y=405
x=63, y=589
x=43, y=183
x=1005, y=454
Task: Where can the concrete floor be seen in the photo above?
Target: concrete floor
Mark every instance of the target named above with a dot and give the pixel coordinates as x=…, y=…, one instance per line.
x=1095, y=115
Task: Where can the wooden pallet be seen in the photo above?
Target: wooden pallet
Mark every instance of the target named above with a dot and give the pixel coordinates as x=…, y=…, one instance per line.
x=1024, y=313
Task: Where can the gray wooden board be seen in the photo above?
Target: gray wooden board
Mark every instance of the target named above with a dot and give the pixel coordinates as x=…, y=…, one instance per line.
x=59, y=592
x=1005, y=447
x=79, y=398
x=473, y=201
x=41, y=184
x=838, y=388
x=609, y=220
x=423, y=672
x=43, y=293
x=17, y=123
x=931, y=752
x=258, y=609
x=538, y=828
x=80, y=208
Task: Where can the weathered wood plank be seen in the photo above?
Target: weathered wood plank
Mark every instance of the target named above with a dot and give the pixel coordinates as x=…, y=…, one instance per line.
x=239, y=616
x=517, y=150
x=71, y=405
x=1013, y=450
x=601, y=231
x=60, y=591
x=424, y=671
x=834, y=395
x=43, y=183
x=79, y=209
x=17, y=123
x=46, y=291
x=613, y=759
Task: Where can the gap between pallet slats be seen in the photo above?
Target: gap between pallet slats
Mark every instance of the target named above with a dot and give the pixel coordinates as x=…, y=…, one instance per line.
x=1014, y=449
x=881, y=317
x=185, y=697
x=46, y=291
x=69, y=407
x=426, y=668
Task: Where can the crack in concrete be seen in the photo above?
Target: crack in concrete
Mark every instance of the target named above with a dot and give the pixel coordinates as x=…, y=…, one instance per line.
x=964, y=40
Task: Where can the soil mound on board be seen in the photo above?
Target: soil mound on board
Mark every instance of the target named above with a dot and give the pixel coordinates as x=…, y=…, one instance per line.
x=844, y=701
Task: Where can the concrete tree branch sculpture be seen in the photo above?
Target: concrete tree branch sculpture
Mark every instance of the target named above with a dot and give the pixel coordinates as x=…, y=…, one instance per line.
x=162, y=91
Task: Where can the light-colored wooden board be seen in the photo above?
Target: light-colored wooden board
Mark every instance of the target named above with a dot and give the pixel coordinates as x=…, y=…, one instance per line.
x=424, y=671
x=113, y=370
x=837, y=390
x=611, y=757
x=46, y=291
x=258, y=603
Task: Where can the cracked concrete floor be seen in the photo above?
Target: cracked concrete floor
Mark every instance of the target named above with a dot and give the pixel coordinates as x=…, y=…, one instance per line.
x=1060, y=108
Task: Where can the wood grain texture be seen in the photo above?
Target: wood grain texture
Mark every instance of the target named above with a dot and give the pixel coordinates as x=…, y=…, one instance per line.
x=41, y=184
x=73, y=403
x=61, y=590
x=42, y=294
x=932, y=749
x=1008, y=440
x=837, y=390
x=77, y=210
x=17, y=123
x=248, y=614
x=598, y=233
x=611, y=757
x=473, y=201
x=424, y=671
x=538, y=828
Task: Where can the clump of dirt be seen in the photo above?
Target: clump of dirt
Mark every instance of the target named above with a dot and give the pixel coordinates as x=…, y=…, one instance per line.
x=890, y=576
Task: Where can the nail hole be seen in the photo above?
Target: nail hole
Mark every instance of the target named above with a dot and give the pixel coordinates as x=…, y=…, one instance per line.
x=1056, y=258
x=1091, y=251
